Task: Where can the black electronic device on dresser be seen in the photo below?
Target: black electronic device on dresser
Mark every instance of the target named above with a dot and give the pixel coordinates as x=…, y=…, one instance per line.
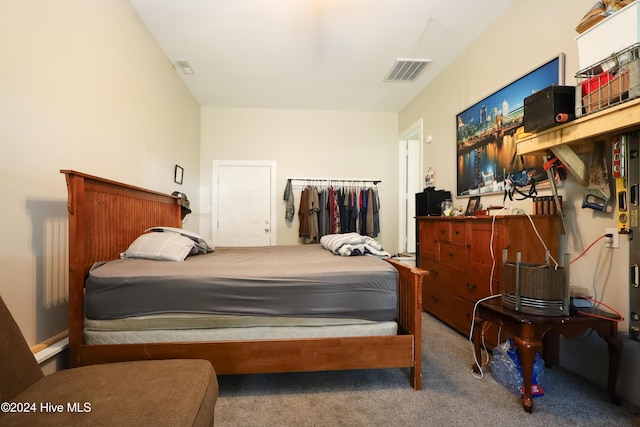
x=428, y=202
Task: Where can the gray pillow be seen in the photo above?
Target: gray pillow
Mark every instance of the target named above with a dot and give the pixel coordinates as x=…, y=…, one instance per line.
x=160, y=247
x=202, y=246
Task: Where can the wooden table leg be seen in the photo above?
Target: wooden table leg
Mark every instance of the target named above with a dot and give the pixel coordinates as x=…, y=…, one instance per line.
x=615, y=357
x=527, y=350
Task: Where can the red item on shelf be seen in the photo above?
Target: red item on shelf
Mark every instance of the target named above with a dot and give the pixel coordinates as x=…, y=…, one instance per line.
x=596, y=82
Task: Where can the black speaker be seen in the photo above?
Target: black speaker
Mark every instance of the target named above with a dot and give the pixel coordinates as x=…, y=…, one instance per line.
x=428, y=202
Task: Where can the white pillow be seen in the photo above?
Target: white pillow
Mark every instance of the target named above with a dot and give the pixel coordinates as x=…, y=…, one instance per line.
x=160, y=247
x=201, y=244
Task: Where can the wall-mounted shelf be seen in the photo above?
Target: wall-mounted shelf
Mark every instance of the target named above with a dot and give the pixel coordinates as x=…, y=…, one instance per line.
x=569, y=139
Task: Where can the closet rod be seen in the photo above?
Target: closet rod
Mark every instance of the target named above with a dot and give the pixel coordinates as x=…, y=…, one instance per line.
x=373, y=181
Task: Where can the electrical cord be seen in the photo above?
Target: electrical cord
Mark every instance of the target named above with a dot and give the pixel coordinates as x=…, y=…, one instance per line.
x=588, y=247
x=535, y=230
x=596, y=273
x=473, y=349
x=491, y=295
x=546, y=249
x=493, y=257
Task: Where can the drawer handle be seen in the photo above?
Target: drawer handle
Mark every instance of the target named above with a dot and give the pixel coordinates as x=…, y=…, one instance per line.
x=471, y=286
x=434, y=273
x=457, y=232
x=450, y=253
x=434, y=299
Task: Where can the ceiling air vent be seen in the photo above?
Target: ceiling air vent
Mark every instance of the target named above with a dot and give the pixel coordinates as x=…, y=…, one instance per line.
x=184, y=66
x=406, y=70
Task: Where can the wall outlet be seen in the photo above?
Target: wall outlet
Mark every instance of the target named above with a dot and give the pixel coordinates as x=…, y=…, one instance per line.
x=615, y=240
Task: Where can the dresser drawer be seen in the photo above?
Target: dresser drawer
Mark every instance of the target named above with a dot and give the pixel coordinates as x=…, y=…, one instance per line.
x=436, y=290
x=458, y=232
x=439, y=275
x=474, y=286
x=443, y=231
x=451, y=254
x=462, y=312
x=427, y=240
x=437, y=302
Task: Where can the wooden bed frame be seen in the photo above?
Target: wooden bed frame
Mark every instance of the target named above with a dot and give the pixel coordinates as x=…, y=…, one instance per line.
x=106, y=216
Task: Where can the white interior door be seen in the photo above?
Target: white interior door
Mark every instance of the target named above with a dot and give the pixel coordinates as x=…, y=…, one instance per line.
x=243, y=203
x=410, y=183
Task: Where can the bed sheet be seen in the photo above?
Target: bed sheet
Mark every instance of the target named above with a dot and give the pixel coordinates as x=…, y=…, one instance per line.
x=293, y=280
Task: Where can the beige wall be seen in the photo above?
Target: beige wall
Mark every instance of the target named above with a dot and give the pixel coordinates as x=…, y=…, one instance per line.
x=82, y=86
x=529, y=34
x=332, y=144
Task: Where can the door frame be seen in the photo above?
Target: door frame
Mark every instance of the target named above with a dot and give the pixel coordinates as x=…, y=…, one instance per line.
x=214, y=192
x=416, y=127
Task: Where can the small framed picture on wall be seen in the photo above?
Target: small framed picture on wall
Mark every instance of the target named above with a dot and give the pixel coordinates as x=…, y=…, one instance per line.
x=178, y=174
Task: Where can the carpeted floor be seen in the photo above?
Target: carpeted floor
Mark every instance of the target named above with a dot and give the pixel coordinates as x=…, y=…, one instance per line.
x=451, y=396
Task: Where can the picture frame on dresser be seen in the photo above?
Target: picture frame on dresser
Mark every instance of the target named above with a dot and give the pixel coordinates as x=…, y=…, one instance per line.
x=472, y=206
x=485, y=132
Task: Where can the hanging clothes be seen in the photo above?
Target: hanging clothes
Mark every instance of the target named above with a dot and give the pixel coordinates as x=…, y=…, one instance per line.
x=303, y=217
x=335, y=210
x=348, y=210
x=376, y=212
x=323, y=213
x=288, y=197
x=343, y=209
x=363, y=212
x=353, y=202
x=373, y=217
x=313, y=207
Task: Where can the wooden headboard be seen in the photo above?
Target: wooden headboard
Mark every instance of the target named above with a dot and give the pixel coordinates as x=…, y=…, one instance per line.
x=104, y=218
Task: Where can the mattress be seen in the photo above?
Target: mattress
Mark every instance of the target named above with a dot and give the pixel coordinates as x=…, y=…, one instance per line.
x=181, y=327
x=285, y=281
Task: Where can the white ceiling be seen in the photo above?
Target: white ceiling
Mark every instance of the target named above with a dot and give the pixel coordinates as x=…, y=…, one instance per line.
x=312, y=54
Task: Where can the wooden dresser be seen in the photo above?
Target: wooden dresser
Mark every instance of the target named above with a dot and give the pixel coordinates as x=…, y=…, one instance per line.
x=462, y=268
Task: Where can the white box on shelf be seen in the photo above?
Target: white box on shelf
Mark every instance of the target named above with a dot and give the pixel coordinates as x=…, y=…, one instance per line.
x=613, y=34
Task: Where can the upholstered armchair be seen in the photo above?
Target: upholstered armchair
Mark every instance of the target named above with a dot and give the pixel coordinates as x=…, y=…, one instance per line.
x=154, y=393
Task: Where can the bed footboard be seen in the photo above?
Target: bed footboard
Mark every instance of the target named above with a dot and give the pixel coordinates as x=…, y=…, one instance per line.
x=410, y=312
